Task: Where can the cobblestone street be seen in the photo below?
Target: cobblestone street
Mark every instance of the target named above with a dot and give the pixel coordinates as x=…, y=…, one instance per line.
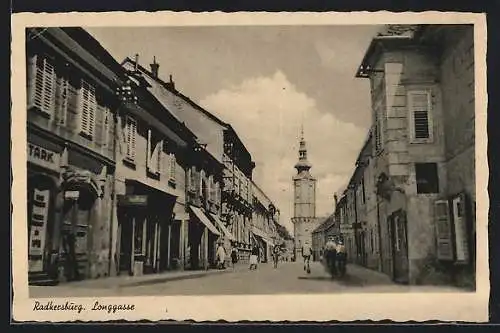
x=287, y=278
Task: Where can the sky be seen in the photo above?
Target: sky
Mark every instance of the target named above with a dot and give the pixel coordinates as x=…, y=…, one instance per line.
x=266, y=81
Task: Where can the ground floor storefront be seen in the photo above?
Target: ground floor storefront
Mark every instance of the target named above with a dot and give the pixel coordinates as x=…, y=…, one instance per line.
x=69, y=209
x=202, y=240
x=425, y=240
x=148, y=236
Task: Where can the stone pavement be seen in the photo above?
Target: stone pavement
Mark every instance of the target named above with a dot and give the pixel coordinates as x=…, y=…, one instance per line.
x=287, y=278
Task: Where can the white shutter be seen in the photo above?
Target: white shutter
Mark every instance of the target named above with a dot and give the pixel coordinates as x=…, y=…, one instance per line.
x=217, y=193
x=459, y=222
x=189, y=179
x=44, y=89
x=149, y=153
x=419, y=104
x=200, y=181
x=172, y=166
x=63, y=97
x=443, y=230
x=106, y=127
x=131, y=132
x=158, y=151
x=88, y=106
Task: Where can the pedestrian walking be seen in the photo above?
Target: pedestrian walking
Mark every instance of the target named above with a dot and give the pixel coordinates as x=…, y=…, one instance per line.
x=330, y=256
x=306, y=254
x=276, y=255
x=254, y=258
x=234, y=257
x=341, y=256
x=221, y=256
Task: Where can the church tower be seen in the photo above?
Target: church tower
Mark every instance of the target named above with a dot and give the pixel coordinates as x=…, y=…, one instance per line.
x=304, y=208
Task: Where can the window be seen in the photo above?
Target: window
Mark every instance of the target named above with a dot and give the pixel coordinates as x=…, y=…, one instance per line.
x=131, y=133
x=43, y=93
x=427, y=178
x=419, y=104
x=87, y=108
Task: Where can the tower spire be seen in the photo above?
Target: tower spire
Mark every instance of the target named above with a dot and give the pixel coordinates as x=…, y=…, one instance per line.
x=303, y=164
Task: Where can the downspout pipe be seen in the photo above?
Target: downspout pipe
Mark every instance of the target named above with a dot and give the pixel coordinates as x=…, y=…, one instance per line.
x=113, y=192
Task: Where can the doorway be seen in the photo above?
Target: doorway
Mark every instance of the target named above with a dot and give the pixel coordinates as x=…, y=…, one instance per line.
x=195, y=234
x=125, y=246
x=399, y=247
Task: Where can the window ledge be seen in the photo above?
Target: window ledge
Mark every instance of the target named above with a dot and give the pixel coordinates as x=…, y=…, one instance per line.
x=153, y=174
x=421, y=141
x=85, y=135
x=127, y=161
x=37, y=110
x=172, y=183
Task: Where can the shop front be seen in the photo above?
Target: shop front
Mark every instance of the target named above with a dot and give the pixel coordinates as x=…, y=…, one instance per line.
x=43, y=171
x=146, y=230
x=264, y=243
x=227, y=238
x=66, y=199
x=202, y=240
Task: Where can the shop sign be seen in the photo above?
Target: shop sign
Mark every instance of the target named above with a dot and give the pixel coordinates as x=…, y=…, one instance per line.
x=43, y=157
x=71, y=194
x=133, y=200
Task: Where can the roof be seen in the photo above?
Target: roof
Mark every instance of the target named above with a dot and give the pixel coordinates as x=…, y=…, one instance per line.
x=389, y=34
x=329, y=220
x=170, y=88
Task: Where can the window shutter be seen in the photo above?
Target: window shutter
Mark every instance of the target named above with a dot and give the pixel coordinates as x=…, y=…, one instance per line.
x=106, y=127
x=443, y=230
x=172, y=167
x=209, y=188
x=189, y=179
x=131, y=126
x=420, y=103
x=45, y=83
x=157, y=154
x=149, y=154
x=460, y=228
x=88, y=106
x=217, y=193
x=201, y=174
x=63, y=93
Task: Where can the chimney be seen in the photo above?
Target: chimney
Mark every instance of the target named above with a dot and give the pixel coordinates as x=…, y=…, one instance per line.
x=154, y=68
x=171, y=83
x=136, y=64
x=336, y=198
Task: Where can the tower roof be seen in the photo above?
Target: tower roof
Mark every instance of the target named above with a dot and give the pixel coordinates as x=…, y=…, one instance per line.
x=303, y=164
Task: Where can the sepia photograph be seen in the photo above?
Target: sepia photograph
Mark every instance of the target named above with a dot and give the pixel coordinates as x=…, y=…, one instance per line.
x=240, y=160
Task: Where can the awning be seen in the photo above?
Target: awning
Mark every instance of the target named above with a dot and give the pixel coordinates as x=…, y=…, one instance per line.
x=204, y=219
x=223, y=228
x=261, y=234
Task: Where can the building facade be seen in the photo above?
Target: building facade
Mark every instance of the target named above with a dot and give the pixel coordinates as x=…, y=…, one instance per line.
x=320, y=235
x=304, y=212
x=423, y=125
x=222, y=142
x=264, y=230
x=71, y=110
x=180, y=179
